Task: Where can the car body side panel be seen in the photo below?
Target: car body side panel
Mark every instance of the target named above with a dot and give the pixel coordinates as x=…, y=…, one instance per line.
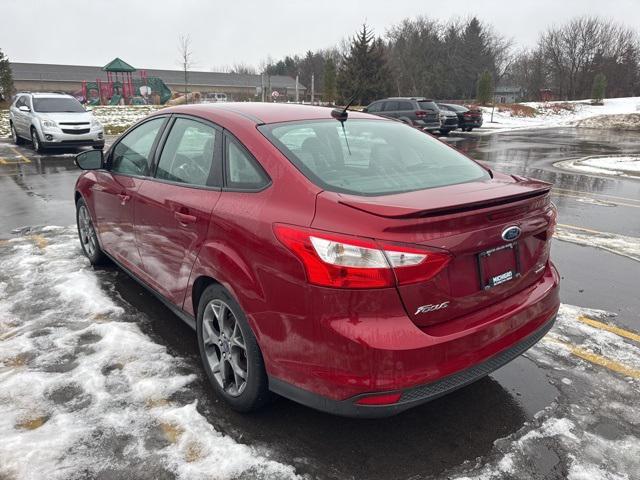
x=171, y=225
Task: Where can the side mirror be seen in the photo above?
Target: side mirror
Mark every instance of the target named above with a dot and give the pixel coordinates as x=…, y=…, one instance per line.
x=90, y=160
x=24, y=108
x=89, y=109
x=365, y=109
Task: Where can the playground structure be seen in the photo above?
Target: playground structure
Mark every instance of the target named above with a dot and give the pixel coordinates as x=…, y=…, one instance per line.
x=121, y=88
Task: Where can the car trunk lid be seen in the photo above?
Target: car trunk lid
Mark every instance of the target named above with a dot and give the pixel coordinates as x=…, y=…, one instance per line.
x=468, y=221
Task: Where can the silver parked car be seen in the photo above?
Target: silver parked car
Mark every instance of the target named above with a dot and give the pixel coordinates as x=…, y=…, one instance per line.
x=53, y=120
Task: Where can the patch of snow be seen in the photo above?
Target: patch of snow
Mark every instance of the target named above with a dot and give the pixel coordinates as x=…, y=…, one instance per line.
x=619, y=166
x=84, y=392
x=547, y=116
x=619, y=244
x=567, y=432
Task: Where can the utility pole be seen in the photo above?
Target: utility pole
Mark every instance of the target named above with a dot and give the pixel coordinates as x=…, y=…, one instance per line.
x=262, y=85
x=297, y=98
x=313, y=88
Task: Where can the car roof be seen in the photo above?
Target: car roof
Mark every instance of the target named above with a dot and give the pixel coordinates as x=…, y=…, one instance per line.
x=418, y=99
x=261, y=113
x=49, y=95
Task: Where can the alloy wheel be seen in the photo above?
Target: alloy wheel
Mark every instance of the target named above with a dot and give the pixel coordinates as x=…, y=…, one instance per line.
x=87, y=233
x=35, y=140
x=225, y=347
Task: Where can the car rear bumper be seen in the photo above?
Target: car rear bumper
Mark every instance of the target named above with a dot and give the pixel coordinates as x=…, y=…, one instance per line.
x=368, y=356
x=414, y=396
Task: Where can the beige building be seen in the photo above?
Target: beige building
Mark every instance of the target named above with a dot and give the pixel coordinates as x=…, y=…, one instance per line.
x=44, y=77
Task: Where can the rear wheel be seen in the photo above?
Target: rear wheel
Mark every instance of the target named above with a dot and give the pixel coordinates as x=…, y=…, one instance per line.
x=444, y=132
x=17, y=139
x=229, y=351
x=35, y=140
x=87, y=234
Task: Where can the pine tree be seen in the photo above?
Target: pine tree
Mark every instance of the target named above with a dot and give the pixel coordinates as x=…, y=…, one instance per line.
x=599, y=87
x=484, y=88
x=364, y=71
x=6, y=78
x=329, y=81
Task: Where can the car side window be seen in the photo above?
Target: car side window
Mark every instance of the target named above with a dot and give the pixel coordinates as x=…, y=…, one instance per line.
x=131, y=155
x=405, y=106
x=21, y=101
x=374, y=108
x=188, y=153
x=391, y=106
x=242, y=171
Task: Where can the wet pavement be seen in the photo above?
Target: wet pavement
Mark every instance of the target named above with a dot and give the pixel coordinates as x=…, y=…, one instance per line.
x=566, y=408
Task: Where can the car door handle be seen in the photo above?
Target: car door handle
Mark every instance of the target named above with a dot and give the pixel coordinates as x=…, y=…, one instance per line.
x=185, y=218
x=124, y=198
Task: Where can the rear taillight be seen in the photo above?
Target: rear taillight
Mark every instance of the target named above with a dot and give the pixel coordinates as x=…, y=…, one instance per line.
x=421, y=113
x=343, y=261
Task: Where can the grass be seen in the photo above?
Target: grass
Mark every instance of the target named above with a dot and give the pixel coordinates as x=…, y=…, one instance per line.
x=517, y=110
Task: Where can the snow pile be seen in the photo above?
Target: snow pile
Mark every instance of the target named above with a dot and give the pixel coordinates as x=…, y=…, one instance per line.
x=619, y=166
x=84, y=393
x=628, y=121
x=611, y=242
x=553, y=114
x=592, y=429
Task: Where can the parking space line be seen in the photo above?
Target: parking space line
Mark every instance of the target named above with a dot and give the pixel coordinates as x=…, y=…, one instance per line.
x=596, y=359
x=610, y=328
x=615, y=202
x=583, y=229
x=25, y=159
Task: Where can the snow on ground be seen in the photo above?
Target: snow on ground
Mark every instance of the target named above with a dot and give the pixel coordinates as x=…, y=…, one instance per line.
x=4, y=124
x=592, y=430
x=619, y=166
x=550, y=115
x=619, y=244
x=84, y=393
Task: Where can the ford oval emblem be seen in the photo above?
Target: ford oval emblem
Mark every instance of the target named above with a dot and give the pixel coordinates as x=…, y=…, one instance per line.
x=511, y=233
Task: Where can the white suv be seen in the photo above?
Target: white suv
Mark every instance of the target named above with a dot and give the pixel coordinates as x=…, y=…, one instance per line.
x=53, y=120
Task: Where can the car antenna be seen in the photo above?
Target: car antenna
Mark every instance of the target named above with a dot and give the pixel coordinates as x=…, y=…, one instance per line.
x=342, y=115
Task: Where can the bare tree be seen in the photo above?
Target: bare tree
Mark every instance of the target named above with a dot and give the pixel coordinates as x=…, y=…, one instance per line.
x=186, y=60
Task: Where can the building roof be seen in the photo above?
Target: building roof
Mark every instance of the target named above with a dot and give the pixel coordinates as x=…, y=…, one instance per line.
x=118, y=65
x=77, y=73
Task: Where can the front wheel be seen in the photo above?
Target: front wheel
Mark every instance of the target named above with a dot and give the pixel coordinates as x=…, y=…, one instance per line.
x=35, y=140
x=87, y=234
x=17, y=139
x=229, y=351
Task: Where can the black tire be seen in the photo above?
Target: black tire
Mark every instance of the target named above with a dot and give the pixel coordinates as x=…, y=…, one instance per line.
x=17, y=139
x=35, y=141
x=98, y=147
x=87, y=235
x=255, y=393
x=444, y=133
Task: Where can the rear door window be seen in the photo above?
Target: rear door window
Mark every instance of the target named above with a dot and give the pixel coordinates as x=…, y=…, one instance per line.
x=242, y=171
x=188, y=153
x=391, y=106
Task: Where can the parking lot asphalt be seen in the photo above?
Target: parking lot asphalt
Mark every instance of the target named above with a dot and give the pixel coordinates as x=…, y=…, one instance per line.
x=564, y=408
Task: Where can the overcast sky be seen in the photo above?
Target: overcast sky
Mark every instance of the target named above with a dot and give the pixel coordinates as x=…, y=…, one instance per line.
x=224, y=32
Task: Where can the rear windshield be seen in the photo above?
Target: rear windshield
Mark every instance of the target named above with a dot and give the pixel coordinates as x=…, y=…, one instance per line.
x=428, y=106
x=51, y=105
x=370, y=157
x=457, y=108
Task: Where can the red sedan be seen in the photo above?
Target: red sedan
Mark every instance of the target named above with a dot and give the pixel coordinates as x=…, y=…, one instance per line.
x=343, y=260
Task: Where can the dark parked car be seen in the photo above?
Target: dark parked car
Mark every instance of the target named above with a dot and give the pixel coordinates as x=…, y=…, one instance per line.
x=421, y=113
x=468, y=119
x=350, y=263
x=448, y=121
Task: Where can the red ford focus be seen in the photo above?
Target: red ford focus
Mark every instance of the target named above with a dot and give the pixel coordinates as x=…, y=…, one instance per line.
x=350, y=263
